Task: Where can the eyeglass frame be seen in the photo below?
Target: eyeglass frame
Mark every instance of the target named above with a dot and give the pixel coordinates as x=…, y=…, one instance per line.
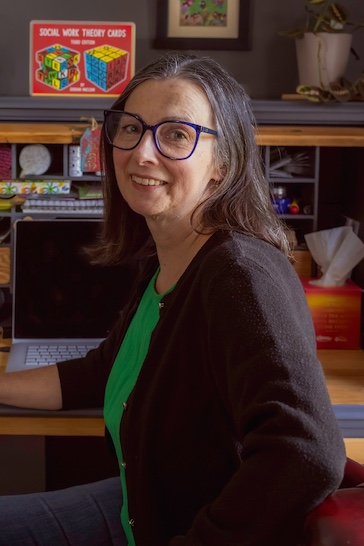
x=198, y=128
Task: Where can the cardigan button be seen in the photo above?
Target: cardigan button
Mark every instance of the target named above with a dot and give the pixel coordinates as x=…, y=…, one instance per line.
x=123, y=464
x=125, y=405
x=161, y=305
x=131, y=522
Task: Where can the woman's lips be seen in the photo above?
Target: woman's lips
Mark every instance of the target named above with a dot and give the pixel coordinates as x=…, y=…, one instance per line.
x=147, y=181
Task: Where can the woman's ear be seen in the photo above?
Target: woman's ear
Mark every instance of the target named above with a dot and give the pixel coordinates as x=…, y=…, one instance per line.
x=221, y=173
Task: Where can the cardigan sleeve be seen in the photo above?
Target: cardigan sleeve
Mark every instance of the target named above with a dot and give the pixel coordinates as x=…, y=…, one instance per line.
x=262, y=350
x=83, y=380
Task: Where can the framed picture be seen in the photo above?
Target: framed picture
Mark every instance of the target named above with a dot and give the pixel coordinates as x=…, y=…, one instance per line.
x=203, y=24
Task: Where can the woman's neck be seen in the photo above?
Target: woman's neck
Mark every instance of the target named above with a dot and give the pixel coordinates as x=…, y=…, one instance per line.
x=175, y=255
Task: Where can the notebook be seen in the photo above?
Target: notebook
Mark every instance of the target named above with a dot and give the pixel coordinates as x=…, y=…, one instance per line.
x=59, y=299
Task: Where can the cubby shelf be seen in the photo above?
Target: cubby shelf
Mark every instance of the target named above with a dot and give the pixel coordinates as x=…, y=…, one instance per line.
x=57, y=137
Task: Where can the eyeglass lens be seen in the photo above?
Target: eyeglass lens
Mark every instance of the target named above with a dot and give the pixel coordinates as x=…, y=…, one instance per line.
x=173, y=139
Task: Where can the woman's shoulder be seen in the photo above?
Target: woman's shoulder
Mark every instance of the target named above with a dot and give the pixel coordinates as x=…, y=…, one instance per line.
x=244, y=252
x=239, y=262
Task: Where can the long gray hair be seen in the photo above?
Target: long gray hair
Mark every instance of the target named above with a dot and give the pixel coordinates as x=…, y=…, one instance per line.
x=242, y=201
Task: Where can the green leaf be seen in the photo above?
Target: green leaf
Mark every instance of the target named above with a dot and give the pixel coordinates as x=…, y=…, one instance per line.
x=338, y=13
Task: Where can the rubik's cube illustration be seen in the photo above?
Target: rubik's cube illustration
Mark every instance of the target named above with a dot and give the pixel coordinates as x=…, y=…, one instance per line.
x=106, y=66
x=58, y=66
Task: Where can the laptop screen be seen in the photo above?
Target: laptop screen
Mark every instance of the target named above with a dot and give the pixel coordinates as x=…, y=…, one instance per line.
x=57, y=293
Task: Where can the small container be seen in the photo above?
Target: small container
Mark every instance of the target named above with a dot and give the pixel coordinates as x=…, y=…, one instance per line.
x=74, y=161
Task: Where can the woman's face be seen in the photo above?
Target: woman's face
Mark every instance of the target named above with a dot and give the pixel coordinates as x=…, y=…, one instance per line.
x=158, y=188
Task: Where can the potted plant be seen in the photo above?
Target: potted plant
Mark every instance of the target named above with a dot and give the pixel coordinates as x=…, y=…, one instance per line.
x=324, y=43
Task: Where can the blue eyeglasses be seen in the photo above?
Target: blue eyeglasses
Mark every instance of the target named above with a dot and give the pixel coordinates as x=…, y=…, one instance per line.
x=173, y=139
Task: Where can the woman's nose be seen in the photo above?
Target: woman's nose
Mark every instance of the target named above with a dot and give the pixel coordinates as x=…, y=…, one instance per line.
x=146, y=149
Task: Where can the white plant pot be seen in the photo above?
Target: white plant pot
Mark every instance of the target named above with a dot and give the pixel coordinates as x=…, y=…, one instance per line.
x=322, y=58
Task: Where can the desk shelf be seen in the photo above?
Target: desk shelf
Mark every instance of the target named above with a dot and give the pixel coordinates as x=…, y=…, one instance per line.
x=57, y=137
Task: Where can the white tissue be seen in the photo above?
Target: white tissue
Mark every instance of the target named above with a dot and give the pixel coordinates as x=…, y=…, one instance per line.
x=336, y=251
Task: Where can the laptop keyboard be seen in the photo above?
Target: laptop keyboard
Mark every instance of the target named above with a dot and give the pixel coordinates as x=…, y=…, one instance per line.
x=43, y=355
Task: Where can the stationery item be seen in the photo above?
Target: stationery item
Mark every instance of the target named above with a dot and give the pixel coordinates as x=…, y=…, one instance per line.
x=5, y=161
x=34, y=159
x=39, y=187
x=74, y=160
x=90, y=147
x=68, y=207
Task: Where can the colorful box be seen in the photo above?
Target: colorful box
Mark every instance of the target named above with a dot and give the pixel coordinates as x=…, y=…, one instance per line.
x=75, y=58
x=25, y=187
x=336, y=314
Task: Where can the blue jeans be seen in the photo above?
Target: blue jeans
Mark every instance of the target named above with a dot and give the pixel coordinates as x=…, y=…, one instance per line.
x=87, y=515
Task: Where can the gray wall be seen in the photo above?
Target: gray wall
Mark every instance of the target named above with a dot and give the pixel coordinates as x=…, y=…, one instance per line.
x=267, y=71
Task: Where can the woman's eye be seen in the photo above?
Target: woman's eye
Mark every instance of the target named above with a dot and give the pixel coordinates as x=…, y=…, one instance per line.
x=177, y=134
x=129, y=129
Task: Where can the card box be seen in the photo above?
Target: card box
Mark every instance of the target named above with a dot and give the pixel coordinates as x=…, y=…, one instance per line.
x=336, y=314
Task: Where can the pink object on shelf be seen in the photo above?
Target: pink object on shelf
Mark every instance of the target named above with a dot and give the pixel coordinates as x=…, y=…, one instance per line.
x=5, y=161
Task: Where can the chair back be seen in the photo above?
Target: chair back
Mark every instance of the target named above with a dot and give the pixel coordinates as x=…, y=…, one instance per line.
x=339, y=519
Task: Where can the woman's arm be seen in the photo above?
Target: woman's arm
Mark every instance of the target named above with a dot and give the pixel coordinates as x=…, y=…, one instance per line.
x=71, y=384
x=37, y=389
x=263, y=357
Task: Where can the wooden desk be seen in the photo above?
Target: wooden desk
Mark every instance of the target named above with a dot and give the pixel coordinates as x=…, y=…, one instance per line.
x=344, y=372
x=47, y=423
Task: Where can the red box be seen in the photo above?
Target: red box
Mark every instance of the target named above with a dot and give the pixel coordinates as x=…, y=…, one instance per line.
x=336, y=313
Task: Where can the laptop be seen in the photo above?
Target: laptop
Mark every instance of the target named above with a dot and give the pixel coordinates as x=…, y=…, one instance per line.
x=62, y=306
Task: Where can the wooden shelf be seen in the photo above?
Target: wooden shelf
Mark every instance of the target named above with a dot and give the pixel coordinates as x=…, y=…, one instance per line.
x=267, y=135
x=41, y=133
x=310, y=136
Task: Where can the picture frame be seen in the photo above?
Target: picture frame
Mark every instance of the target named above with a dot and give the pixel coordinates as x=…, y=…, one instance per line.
x=231, y=32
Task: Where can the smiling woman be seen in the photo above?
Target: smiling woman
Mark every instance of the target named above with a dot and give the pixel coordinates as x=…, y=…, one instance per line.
x=210, y=382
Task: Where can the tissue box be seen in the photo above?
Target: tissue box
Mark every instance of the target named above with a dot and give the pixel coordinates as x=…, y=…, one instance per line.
x=336, y=314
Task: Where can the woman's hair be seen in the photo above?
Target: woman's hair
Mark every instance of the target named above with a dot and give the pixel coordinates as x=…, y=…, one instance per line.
x=242, y=200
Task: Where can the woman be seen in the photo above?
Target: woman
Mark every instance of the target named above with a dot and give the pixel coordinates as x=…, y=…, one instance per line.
x=212, y=392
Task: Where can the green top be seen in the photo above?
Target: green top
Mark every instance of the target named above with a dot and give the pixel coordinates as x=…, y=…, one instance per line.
x=123, y=377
